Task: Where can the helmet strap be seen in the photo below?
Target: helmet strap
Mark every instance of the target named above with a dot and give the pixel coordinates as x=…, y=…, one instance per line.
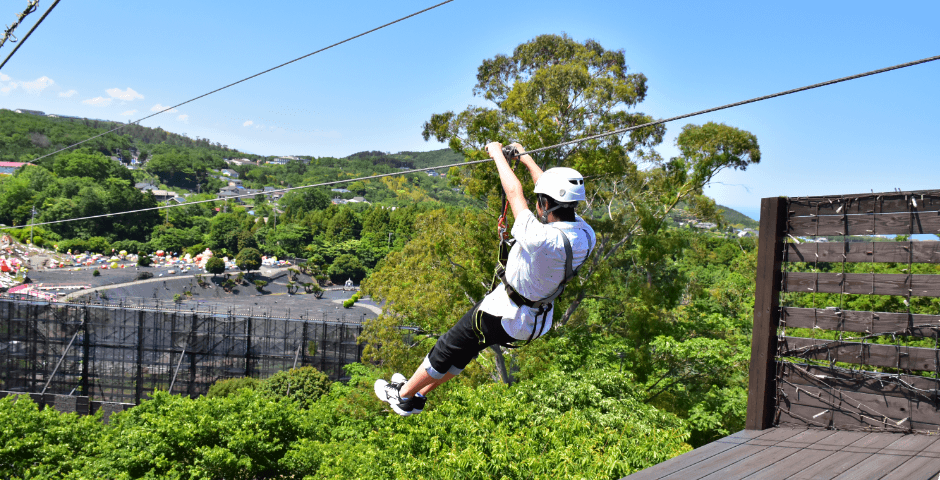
x=543, y=217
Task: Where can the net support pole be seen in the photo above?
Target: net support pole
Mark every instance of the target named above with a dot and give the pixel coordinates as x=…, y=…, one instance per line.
x=177, y=370
x=61, y=357
x=761, y=377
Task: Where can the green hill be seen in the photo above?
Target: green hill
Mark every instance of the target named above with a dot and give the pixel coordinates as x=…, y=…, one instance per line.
x=734, y=217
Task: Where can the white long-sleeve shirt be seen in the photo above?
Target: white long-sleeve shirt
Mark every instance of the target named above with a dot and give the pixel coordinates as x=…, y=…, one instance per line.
x=535, y=268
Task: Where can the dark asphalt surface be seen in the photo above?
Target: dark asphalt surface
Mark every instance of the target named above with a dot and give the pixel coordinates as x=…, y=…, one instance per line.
x=119, y=284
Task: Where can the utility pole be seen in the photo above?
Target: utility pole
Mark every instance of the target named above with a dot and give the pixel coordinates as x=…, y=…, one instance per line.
x=31, y=221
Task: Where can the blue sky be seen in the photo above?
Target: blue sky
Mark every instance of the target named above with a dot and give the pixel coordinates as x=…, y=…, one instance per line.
x=118, y=60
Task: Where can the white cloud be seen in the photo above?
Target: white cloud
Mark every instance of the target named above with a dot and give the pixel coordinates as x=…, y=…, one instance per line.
x=98, y=101
x=248, y=123
x=126, y=95
x=7, y=88
x=67, y=94
x=4, y=78
x=183, y=118
x=37, y=86
x=129, y=113
x=158, y=107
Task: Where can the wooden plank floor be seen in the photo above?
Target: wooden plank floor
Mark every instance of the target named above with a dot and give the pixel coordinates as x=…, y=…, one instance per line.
x=805, y=453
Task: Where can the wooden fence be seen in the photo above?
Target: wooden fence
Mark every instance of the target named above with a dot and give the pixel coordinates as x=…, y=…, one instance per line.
x=860, y=370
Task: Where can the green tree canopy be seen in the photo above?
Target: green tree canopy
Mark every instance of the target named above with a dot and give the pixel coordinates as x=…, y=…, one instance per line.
x=248, y=259
x=215, y=266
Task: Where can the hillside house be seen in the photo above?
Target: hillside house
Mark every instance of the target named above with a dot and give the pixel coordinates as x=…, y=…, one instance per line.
x=9, y=168
x=163, y=195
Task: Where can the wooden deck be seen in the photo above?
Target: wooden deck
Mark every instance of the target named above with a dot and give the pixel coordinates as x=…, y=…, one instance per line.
x=806, y=453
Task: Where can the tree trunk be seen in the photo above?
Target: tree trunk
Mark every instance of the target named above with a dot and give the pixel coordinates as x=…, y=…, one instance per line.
x=504, y=374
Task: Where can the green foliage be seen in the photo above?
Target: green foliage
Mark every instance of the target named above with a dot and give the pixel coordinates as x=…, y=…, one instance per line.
x=248, y=259
x=429, y=284
x=215, y=266
x=240, y=436
x=130, y=246
x=177, y=298
x=346, y=266
x=95, y=273
x=348, y=303
x=230, y=386
x=46, y=444
x=304, y=385
x=260, y=284
x=143, y=260
x=224, y=229
x=736, y=218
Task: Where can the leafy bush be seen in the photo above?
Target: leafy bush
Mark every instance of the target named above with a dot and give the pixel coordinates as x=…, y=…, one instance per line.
x=195, y=249
x=240, y=436
x=76, y=245
x=177, y=298
x=99, y=245
x=215, y=266
x=44, y=443
x=248, y=259
x=260, y=284
x=143, y=261
x=352, y=300
x=95, y=273
x=347, y=266
x=305, y=385
x=130, y=246
x=230, y=386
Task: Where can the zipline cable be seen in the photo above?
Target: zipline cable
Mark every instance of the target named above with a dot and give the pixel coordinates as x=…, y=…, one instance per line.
x=233, y=83
x=737, y=104
x=30, y=32
x=30, y=8
x=474, y=162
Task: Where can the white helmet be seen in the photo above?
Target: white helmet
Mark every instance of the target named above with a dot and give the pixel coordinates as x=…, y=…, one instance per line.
x=563, y=184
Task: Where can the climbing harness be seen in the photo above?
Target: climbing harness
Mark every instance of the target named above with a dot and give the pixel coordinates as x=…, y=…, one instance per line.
x=542, y=306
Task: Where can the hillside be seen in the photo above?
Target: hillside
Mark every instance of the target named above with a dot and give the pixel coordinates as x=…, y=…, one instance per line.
x=736, y=218
x=24, y=137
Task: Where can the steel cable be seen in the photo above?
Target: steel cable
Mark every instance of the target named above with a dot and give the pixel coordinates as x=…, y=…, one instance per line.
x=30, y=32
x=474, y=162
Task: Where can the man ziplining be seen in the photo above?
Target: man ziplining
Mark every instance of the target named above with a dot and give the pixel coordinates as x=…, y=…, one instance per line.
x=547, y=249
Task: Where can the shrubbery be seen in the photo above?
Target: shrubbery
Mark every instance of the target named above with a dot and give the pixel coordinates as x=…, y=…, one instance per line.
x=231, y=386
x=352, y=300
x=305, y=385
x=559, y=425
x=248, y=259
x=215, y=266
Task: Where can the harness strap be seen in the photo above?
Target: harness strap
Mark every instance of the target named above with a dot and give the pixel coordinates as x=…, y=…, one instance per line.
x=518, y=299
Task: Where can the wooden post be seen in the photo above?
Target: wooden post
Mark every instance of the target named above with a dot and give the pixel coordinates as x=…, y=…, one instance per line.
x=761, y=379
